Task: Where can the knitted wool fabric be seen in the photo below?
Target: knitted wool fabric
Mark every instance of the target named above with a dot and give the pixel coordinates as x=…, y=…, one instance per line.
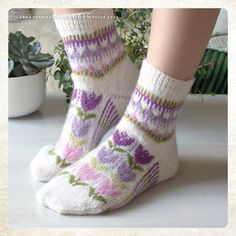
x=139, y=154
x=104, y=78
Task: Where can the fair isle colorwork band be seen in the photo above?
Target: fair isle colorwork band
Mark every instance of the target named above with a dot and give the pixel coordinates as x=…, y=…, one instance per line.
x=140, y=153
x=153, y=115
x=154, y=110
x=94, y=51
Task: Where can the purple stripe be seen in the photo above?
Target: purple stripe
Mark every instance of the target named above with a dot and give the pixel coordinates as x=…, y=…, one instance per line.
x=104, y=117
x=99, y=53
x=110, y=112
x=152, y=175
x=98, y=130
x=140, y=186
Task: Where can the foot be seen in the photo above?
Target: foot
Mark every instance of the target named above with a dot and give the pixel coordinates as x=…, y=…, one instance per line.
x=139, y=154
x=103, y=77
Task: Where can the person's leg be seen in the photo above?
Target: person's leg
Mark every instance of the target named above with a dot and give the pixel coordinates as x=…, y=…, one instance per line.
x=104, y=78
x=142, y=150
x=178, y=39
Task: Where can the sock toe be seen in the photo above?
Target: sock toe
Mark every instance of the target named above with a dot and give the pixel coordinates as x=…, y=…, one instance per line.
x=43, y=166
x=65, y=199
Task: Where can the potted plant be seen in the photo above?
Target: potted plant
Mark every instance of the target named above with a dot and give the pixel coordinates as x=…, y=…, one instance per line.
x=133, y=26
x=27, y=75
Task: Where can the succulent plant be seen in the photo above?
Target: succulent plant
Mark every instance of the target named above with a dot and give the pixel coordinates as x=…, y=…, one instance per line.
x=10, y=65
x=26, y=55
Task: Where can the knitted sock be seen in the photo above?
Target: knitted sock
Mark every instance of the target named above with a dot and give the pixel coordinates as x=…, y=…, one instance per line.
x=141, y=152
x=104, y=78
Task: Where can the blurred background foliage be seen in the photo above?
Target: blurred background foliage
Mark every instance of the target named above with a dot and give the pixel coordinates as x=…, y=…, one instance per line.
x=133, y=26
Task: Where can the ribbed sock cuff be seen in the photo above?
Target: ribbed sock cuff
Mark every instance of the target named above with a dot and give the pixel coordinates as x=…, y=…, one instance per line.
x=163, y=85
x=84, y=22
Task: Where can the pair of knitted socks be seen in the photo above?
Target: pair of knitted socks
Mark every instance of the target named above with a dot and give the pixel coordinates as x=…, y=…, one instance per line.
x=86, y=177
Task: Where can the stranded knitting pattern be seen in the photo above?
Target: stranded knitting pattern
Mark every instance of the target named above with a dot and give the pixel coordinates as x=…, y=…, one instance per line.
x=140, y=153
x=103, y=78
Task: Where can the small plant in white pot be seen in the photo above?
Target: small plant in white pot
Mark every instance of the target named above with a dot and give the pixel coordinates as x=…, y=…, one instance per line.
x=27, y=75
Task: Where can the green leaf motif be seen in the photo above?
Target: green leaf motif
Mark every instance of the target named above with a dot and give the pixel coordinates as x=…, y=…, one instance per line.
x=130, y=160
x=99, y=198
x=64, y=173
x=110, y=144
x=117, y=182
x=91, y=191
x=114, y=147
x=78, y=183
x=117, y=149
x=98, y=166
x=60, y=162
x=90, y=116
x=64, y=164
x=84, y=115
x=139, y=168
x=76, y=142
x=71, y=179
x=80, y=113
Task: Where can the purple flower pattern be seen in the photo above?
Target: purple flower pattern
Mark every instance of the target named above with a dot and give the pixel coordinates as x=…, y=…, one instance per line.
x=121, y=138
x=103, y=44
x=142, y=156
x=106, y=155
x=89, y=101
x=125, y=173
x=74, y=94
x=79, y=127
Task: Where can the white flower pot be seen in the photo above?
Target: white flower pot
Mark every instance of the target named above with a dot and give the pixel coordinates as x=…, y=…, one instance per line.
x=26, y=94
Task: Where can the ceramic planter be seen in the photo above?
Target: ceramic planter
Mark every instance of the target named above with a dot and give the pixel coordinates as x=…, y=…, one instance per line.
x=26, y=94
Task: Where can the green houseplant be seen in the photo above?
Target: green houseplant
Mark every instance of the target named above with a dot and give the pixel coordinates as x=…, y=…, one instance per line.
x=133, y=26
x=61, y=71
x=26, y=55
x=27, y=76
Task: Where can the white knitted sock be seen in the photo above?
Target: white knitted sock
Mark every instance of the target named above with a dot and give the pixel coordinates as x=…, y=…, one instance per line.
x=141, y=152
x=104, y=78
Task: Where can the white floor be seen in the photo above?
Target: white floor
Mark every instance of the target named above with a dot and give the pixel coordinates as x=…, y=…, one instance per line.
x=196, y=197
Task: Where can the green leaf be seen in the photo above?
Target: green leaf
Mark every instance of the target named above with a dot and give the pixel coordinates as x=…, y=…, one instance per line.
x=80, y=113
x=139, y=168
x=130, y=160
x=63, y=173
x=64, y=164
x=78, y=183
x=91, y=191
x=42, y=64
x=58, y=160
x=99, y=198
x=71, y=179
x=117, y=149
x=57, y=75
x=36, y=48
x=28, y=54
x=110, y=144
x=89, y=116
